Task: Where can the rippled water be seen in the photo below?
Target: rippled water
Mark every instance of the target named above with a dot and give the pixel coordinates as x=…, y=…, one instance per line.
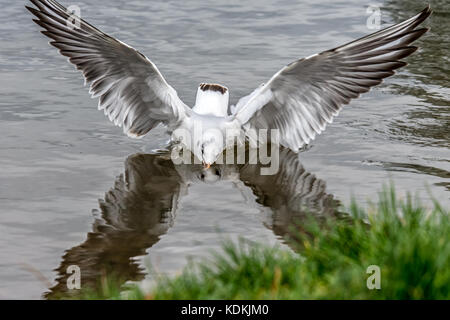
x=59, y=155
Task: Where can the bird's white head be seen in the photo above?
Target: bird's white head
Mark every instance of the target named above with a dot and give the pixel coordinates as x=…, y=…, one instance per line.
x=212, y=99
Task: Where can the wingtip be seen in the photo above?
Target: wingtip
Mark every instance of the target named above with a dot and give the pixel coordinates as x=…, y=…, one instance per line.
x=37, y=3
x=425, y=14
x=427, y=11
x=133, y=135
x=31, y=9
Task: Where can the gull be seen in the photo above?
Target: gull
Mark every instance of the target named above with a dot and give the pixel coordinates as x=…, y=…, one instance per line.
x=298, y=101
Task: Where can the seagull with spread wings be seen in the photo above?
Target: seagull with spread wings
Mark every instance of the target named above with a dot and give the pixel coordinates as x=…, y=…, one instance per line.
x=298, y=101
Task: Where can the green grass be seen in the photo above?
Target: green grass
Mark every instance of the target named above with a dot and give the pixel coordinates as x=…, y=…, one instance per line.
x=410, y=245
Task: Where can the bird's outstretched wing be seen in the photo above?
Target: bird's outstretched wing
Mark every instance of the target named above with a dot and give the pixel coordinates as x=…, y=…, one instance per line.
x=305, y=95
x=132, y=91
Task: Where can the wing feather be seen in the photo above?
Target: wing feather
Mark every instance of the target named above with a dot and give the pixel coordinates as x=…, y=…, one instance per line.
x=305, y=95
x=131, y=90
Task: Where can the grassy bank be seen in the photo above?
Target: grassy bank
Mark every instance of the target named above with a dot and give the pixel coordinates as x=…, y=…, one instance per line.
x=409, y=244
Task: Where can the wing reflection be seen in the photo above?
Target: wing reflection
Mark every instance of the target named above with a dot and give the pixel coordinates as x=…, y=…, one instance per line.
x=292, y=194
x=134, y=214
x=143, y=202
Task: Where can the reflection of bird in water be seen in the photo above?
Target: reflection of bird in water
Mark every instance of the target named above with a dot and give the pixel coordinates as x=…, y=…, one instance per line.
x=143, y=202
x=291, y=194
x=134, y=214
x=298, y=101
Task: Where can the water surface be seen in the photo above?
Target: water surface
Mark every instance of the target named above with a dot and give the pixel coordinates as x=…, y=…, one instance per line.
x=59, y=155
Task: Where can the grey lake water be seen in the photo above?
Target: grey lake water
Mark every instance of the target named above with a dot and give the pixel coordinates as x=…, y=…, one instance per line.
x=59, y=155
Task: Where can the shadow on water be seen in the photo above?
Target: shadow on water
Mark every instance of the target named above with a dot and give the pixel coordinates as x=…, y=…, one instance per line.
x=142, y=205
x=419, y=169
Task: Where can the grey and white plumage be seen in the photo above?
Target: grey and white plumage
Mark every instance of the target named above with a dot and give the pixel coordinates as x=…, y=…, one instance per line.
x=299, y=100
